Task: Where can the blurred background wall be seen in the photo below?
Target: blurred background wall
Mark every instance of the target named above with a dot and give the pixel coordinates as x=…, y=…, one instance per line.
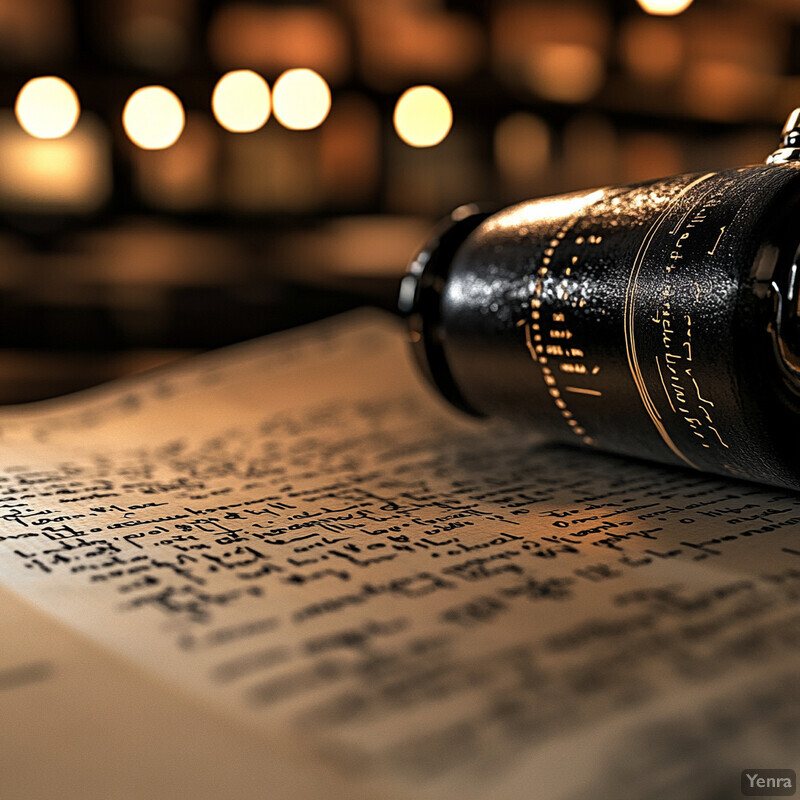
x=196, y=173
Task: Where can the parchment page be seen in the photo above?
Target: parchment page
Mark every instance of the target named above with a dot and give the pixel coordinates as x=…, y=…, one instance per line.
x=79, y=723
x=298, y=534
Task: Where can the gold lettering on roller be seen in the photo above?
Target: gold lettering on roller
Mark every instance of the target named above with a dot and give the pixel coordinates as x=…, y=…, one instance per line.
x=578, y=369
x=631, y=295
x=716, y=244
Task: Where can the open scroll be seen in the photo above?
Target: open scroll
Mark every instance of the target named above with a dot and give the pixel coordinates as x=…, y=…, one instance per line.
x=286, y=569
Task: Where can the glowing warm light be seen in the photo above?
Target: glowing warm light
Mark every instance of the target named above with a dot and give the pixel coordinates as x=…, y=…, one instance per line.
x=268, y=36
x=241, y=101
x=47, y=108
x=522, y=145
x=423, y=116
x=301, y=99
x=652, y=48
x=420, y=38
x=71, y=174
x=664, y=7
x=182, y=177
x=722, y=90
x=153, y=118
x=567, y=73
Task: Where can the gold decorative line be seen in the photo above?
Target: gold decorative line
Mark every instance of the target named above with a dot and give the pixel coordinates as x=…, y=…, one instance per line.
x=683, y=219
x=660, y=375
x=578, y=390
x=629, y=327
x=529, y=344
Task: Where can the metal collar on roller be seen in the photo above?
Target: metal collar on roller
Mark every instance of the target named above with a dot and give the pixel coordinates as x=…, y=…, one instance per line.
x=420, y=299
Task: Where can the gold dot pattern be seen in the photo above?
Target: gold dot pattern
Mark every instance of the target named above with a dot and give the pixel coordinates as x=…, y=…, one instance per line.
x=533, y=334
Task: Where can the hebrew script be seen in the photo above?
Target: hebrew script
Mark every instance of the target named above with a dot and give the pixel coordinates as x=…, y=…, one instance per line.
x=298, y=533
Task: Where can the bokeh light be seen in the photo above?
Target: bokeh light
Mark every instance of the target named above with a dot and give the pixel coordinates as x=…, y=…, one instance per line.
x=652, y=49
x=423, y=116
x=241, y=101
x=153, y=118
x=268, y=37
x=566, y=73
x=522, y=146
x=664, y=7
x=69, y=174
x=47, y=107
x=301, y=99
